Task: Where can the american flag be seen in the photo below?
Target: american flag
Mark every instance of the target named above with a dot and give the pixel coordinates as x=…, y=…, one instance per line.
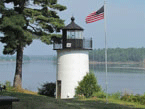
x=95, y=16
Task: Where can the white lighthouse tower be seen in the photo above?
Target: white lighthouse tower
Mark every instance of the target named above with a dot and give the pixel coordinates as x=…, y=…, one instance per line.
x=72, y=60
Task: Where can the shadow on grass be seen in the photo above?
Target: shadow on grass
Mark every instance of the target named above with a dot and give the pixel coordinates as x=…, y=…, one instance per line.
x=93, y=104
x=28, y=101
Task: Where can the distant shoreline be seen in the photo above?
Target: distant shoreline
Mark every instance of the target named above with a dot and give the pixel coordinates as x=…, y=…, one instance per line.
x=122, y=65
x=95, y=62
x=90, y=62
x=31, y=61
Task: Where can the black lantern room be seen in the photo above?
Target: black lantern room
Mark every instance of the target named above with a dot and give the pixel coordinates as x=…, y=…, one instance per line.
x=72, y=38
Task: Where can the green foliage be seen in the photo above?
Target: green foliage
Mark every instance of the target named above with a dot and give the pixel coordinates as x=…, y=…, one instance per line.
x=47, y=40
x=47, y=89
x=116, y=95
x=118, y=54
x=46, y=2
x=21, y=24
x=1, y=5
x=14, y=33
x=58, y=7
x=99, y=94
x=88, y=86
x=12, y=22
x=80, y=97
x=8, y=86
x=29, y=101
x=134, y=98
x=102, y=94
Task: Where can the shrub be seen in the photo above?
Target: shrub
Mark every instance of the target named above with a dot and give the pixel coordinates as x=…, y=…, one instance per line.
x=7, y=85
x=88, y=86
x=134, y=98
x=142, y=99
x=80, y=96
x=126, y=97
x=99, y=94
x=116, y=95
x=47, y=89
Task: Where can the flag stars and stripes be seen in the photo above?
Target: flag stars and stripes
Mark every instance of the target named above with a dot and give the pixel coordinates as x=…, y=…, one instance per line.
x=95, y=16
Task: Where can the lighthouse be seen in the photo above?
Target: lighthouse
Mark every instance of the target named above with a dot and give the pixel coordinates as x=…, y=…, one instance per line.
x=72, y=59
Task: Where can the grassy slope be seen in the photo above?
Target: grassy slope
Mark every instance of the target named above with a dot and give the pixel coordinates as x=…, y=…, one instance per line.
x=28, y=101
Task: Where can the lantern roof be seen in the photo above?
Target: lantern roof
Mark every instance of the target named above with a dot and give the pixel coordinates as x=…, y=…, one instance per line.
x=73, y=26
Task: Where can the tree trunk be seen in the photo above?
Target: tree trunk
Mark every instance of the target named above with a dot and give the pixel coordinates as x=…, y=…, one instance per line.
x=18, y=73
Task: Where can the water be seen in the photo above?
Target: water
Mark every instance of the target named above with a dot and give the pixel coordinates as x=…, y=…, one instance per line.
x=37, y=73
x=33, y=75
x=121, y=79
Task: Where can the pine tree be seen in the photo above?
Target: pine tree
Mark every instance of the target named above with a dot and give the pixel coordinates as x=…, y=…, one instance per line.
x=25, y=21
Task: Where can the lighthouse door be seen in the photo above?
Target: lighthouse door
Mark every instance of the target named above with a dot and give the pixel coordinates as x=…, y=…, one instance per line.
x=58, y=89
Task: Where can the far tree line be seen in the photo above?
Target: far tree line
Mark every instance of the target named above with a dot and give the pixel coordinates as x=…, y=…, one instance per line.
x=29, y=58
x=114, y=55
x=13, y=58
x=118, y=55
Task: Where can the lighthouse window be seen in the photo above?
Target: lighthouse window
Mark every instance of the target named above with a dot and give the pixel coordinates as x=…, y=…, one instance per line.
x=70, y=34
x=74, y=35
x=79, y=36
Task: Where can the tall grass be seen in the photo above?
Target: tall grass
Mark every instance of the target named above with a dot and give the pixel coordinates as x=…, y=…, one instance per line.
x=10, y=88
x=121, y=98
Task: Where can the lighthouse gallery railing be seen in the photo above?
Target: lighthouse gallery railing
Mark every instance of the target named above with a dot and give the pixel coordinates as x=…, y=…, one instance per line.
x=74, y=44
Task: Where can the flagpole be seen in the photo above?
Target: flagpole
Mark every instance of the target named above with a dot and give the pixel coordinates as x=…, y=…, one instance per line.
x=105, y=51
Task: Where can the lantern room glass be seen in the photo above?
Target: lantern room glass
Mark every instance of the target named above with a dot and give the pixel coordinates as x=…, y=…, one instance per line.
x=74, y=34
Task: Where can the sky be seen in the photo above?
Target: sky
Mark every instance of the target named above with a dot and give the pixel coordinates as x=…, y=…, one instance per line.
x=125, y=23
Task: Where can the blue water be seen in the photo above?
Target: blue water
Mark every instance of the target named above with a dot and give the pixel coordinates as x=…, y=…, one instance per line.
x=37, y=73
x=33, y=73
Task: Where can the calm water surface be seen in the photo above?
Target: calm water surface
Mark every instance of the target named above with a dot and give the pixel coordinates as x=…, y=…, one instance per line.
x=36, y=73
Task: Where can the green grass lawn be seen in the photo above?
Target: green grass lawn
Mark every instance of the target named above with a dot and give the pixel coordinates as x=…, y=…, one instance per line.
x=28, y=101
